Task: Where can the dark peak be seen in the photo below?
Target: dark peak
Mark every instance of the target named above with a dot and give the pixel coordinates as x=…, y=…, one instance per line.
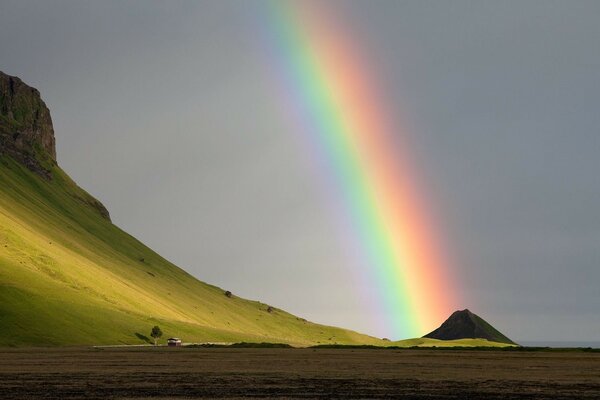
x=26, y=132
x=464, y=314
x=466, y=311
x=464, y=324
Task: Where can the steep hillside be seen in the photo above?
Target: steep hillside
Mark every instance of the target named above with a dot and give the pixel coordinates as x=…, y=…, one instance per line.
x=466, y=325
x=69, y=276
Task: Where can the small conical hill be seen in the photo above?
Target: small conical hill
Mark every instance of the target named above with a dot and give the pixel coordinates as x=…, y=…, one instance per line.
x=466, y=325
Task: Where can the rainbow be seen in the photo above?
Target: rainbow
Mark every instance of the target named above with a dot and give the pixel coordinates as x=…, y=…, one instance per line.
x=337, y=107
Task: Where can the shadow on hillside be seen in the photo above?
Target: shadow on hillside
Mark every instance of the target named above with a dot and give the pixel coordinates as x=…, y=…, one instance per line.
x=143, y=337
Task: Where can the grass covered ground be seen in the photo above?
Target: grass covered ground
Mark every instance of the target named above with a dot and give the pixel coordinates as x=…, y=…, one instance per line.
x=68, y=276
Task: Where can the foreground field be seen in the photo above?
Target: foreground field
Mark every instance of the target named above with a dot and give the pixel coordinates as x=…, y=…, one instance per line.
x=296, y=373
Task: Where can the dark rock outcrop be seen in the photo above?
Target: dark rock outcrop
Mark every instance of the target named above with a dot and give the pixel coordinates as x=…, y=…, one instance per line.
x=467, y=325
x=27, y=135
x=26, y=132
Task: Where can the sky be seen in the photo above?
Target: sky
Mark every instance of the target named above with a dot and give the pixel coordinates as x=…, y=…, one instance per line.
x=169, y=114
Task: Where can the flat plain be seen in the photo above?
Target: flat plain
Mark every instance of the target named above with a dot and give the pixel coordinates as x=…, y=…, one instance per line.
x=161, y=373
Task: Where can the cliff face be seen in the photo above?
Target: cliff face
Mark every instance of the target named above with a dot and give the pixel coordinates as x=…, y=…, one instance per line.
x=26, y=132
x=27, y=136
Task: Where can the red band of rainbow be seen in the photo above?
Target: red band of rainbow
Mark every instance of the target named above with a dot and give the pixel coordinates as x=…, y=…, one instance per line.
x=333, y=92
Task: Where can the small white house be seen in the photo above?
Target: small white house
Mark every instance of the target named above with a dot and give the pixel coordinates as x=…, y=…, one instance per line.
x=173, y=342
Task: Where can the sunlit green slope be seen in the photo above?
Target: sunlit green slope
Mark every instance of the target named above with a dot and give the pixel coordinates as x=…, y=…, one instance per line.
x=69, y=276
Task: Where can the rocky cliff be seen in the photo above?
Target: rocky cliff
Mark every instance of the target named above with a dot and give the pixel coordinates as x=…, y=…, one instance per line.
x=26, y=132
x=27, y=135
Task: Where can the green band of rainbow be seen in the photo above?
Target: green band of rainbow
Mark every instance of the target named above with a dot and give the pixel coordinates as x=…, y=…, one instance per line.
x=330, y=87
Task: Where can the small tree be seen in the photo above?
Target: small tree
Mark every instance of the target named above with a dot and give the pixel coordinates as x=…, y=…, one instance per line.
x=156, y=333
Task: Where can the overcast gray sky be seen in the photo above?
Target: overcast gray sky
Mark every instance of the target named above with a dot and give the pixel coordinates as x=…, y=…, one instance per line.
x=165, y=112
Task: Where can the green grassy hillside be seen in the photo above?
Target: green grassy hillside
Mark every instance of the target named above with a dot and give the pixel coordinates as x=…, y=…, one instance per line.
x=69, y=276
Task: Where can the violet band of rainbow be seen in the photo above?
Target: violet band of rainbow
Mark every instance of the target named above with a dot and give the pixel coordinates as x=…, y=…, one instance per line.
x=344, y=117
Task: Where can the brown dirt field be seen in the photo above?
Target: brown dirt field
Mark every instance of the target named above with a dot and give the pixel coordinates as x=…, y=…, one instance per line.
x=76, y=373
